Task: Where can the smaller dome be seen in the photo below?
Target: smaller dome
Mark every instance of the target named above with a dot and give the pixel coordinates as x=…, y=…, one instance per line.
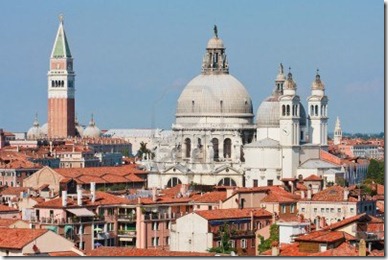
x=215, y=43
x=78, y=128
x=268, y=113
x=91, y=131
x=44, y=129
x=35, y=131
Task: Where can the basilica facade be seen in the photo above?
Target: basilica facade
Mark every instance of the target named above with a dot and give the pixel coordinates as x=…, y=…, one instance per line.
x=216, y=140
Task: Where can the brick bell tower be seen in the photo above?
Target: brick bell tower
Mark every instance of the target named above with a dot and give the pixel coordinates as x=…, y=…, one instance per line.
x=61, y=98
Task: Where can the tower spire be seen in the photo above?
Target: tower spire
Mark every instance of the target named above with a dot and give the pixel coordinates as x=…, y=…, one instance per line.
x=61, y=46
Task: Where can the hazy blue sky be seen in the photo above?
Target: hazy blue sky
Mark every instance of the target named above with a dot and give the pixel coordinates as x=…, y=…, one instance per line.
x=135, y=57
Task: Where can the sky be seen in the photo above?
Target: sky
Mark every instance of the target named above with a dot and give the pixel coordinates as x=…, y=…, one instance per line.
x=132, y=59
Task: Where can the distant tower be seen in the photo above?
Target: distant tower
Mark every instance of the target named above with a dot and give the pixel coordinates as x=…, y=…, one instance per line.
x=337, y=132
x=317, y=106
x=61, y=100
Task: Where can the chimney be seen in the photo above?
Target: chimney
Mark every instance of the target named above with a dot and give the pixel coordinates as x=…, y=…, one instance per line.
x=346, y=194
x=292, y=186
x=21, y=194
x=302, y=194
x=79, y=195
x=51, y=147
x=309, y=194
x=275, y=248
x=154, y=194
x=64, y=198
x=317, y=223
x=93, y=191
x=251, y=220
x=362, y=248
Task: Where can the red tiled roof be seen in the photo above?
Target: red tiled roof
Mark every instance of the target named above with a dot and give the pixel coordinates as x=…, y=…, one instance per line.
x=325, y=236
x=333, y=193
x=63, y=253
x=13, y=191
x=4, y=208
x=124, y=251
x=300, y=186
x=102, y=198
x=313, y=177
x=278, y=194
x=344, y=222
x=233, y=213
x=211, y=197
x=17, y=238
x=344, y=249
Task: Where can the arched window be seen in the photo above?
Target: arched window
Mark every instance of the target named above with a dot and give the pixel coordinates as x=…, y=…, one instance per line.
x=221, y=103
x=311, y=110
x=215, y=148
x=316, y=110
x=187, y=147
x=300, y=177
x=288, y=110
x=52, y=83
x=192, y=105
x=283, y=110
x=173, y=182
x=227, y=148
x=199, y=143
x=227, y=182
x=293, y=110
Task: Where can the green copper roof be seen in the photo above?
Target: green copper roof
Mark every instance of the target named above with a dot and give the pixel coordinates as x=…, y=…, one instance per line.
x=61, y=47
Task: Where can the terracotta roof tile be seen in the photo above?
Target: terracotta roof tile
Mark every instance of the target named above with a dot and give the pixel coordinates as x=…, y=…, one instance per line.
x=63, y=253
x=7, y=222
x=211, y=197
x=326, y=236
x=344, y=222
x=4, y=208
x=13, y=191
x=334, y=193
x=233, y=213
x=17, y=238
x=344, y=249
x=313, y=177
x=300, y=186
x=123, y=251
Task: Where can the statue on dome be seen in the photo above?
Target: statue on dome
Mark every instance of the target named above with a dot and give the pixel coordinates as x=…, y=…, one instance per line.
x=215, y=31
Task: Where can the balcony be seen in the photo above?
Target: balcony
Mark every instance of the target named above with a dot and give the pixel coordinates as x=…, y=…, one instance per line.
x=127, y=233
x=126, y=218
x=236, y=234
x=102, y=235
x=163, y=216
x=69, y=220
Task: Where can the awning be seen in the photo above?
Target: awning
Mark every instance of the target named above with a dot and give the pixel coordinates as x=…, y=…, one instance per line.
x=129, y=239
x=81, y=212
x=52, y=228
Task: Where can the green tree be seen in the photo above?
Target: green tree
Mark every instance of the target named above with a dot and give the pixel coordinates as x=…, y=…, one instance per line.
x=376, y=171
x=265, y=244
x=225, y=247
x=144, y=150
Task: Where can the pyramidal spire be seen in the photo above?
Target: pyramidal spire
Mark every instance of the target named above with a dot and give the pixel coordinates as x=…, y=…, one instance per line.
x=338, y=123
x=61, y=47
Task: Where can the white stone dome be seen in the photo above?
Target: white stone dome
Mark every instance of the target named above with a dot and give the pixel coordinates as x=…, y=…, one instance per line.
x=91, y=131
x=215, y=43
x=35, y=131
x=44, y=129
x=268, y=113
x=214, y=95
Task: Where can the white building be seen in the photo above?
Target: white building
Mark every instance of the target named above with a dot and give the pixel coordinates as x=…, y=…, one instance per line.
x=289, y=230
x=213, y=140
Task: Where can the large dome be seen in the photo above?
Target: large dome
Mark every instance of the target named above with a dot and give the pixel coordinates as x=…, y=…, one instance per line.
x=214, y=94
x=91, y=131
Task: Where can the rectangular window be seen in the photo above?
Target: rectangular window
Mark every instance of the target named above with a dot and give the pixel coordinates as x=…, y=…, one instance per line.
x=155, y=226
x=339, y=210
x=327, y=210
x=269, y=182
x=322, y=210
x=243, y=243
x=332, y=210
x=255, y=183
x=155, y=241
x=292, y=208
x=168, y=241
x=232, y=244
x=315, y=210
x=302, y=209
x=283, y=209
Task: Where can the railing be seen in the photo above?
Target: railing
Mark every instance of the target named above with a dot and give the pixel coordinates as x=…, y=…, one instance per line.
x=69, y=220
x=125, y=217
x=127, y=233
x=236, y=233
x=163, y=216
